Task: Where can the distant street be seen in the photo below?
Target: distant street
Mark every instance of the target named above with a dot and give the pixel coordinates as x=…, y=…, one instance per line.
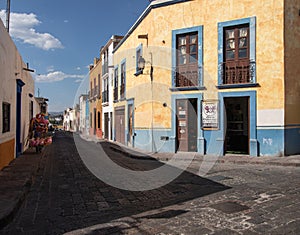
x=231, y=199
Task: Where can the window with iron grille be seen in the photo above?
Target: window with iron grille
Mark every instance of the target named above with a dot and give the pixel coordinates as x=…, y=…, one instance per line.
x=105, y=91
x=187, y=60
x=5, y=117
x=236, y=55
x=123, y=79
x=116, y=81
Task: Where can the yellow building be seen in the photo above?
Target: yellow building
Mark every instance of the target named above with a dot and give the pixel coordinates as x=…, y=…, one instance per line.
x=212, y=77
x=95, y=99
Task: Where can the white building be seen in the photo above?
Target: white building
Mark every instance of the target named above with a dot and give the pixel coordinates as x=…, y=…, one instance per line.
x=17, y=102
x=69, y=120
x=106, y=55
x=84, y=115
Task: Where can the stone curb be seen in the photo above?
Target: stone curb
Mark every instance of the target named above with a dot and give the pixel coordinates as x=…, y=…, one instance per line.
x=133, y=153
x=16, y=185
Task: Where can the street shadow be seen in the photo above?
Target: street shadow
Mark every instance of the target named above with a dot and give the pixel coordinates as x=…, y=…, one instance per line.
x=71, y=198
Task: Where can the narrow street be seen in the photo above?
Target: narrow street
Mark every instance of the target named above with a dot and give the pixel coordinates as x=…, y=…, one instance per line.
x=232, y=199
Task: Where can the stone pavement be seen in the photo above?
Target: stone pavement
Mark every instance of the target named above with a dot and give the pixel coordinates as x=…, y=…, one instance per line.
x=15, y=182
x=54, y=193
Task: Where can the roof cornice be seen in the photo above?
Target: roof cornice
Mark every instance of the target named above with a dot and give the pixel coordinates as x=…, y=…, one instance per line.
x=152, y=5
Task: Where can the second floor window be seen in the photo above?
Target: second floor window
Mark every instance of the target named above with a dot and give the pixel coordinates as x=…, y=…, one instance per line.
x=236, y=55
x=123, y=78
x=105, y=91
x=116, y=81
x=5, y=117
x=187, y=60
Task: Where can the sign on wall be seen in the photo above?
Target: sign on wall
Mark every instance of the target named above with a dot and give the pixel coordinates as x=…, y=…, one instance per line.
x=210, y=114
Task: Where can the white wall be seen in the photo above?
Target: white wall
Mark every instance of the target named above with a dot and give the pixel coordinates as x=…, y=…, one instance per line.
x=11, y=67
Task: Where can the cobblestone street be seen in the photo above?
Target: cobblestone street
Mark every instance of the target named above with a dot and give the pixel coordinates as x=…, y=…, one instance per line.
x=231, y=199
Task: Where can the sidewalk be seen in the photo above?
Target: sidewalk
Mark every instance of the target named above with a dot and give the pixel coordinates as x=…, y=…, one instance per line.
x=293, y=160
x=15, y=182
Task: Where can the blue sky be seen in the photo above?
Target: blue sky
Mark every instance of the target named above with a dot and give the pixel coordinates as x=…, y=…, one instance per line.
x=60, y=38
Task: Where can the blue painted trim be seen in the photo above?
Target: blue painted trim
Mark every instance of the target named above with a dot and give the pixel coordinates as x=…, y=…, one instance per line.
x=200, y=138
x=20, y=84
x=199, y=30
x=144, y=15
x=124, y=62
x=253, y=145
x=252, y=27
x=130, y=102
x=116, y=81
x=241, y=85
x=196, y=88
x=292, y=140
x=144, y=136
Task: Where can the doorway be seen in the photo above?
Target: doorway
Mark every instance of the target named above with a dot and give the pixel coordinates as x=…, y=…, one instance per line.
x=237, y=123
x=186, y=125
x=106, y=127
x=130, y=124
x=120, y=124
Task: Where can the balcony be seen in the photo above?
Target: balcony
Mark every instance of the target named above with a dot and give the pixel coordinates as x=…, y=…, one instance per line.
x=187, y=76
x=116, y=94
x=105, y=68
x=122, y=91
x=105, y=96
x=237, y=72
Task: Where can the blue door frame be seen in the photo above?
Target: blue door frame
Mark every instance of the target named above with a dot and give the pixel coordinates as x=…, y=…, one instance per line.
x=20, y=84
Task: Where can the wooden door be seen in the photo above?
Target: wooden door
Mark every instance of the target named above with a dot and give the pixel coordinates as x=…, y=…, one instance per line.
x=106, y=126
x=182, y=124
x=120, y=125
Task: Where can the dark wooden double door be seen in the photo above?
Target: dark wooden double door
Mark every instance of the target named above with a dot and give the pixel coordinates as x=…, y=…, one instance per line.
x=186, y=125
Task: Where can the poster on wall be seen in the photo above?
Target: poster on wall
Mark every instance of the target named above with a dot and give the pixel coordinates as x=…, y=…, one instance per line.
x=210, y=114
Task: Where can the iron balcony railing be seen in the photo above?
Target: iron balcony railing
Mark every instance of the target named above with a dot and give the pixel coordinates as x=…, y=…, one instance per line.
x=122, y=91
x=116, y=93
x=105, y=96
x=105, y=68
x=237, y=72
x=187, y=76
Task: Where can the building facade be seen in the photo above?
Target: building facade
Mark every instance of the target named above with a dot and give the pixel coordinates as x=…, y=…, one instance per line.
x=106, y=57
x=70, y=120
x=84, y=115
x=17, y=102
x=95, y=105
x=213, y=77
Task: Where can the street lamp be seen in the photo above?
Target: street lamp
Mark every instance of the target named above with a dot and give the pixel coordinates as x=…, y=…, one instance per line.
x=141, y=66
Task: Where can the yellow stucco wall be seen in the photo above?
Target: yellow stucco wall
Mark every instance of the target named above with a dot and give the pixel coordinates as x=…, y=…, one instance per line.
x=159, y=24
x=7, y=152
x=292, y=58
x=96, y=102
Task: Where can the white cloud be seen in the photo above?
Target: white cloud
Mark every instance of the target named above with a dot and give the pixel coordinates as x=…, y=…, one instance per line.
x=22, y=28
x=78, y=80
x=78, y=68
x=56, y=76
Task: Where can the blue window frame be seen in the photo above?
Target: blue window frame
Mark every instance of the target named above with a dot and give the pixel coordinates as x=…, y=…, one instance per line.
x=251, y=22
x=186, y=36
x=123, y=79
x=116, y=83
